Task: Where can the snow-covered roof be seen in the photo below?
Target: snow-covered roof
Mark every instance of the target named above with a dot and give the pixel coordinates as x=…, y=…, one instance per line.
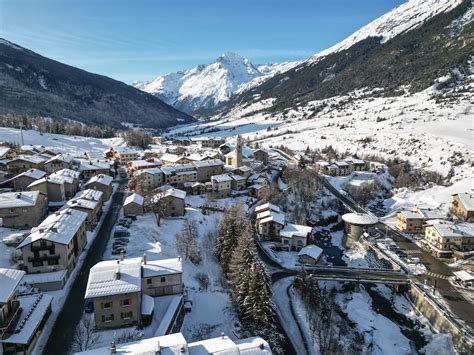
x=59, y=227
x=271, y=216
x=148, y=305
x=9, y=280
x=172, y=192
x=297, y=230
x=223, y=345
x=312, y=251
x=428, y=213
x=34, y=159
x=151, y=171
x=237, y=177
x=409, y=214
x=464, y=275
x=162, y=267
x=114, y=277
x=134, y=198
x=143, y=163
x=253, y=346
x=52, y=179
x=169, y=345
x=221, y=178
x=206, y=163
x=360, y=219
x=93, y=165
x=18, y=199
x=467, y=200
x=450, y=229
x=125, y=150
x=172, y=158
x=32, y=173
x=66, y=158
x=34, y=309
x=267, y=206
x=89, y=194
x=67, y=173
x=82, y=203
x=101, y=179
x=4, y=150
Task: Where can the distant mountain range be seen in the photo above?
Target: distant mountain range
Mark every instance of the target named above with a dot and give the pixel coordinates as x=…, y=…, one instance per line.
x=199, y=90
x=38, y=86
x=406, y=49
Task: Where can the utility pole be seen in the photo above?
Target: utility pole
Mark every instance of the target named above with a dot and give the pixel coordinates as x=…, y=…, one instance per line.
x=21, y=134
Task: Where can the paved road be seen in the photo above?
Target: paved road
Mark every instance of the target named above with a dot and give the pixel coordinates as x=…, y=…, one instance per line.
x=60, y=340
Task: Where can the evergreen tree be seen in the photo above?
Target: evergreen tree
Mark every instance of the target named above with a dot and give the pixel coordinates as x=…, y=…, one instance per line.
x=302, y=163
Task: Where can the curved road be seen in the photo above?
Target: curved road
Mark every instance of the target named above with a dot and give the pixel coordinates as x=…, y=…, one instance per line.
x=60, y=339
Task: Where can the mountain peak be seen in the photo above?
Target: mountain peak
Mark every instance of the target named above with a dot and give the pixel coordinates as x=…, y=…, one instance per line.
x=231, y=56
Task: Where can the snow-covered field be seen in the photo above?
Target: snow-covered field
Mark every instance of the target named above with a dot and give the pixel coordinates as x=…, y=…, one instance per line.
x=75, y=145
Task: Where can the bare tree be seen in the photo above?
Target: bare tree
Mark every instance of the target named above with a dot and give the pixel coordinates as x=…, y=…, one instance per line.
x=203, y=280
x=84, y=335
x=186, y=242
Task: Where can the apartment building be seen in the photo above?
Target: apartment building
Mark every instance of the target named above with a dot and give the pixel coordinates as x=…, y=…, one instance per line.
x=413, y=221
x=444, y=237
x=150, y=179
x=56, y=243
x=207, y=168
x=178, y=174
x=22, y=209
x=89, y=168
x=221, y=185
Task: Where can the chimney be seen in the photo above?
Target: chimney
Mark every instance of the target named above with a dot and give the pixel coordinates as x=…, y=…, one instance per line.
x=157, y=347
x=179, y=258
x=144, y=259
x=182, y=348
x=121, y=256
x=222, y=335
x=54, y=229
x=113, y=348
x=117, y=273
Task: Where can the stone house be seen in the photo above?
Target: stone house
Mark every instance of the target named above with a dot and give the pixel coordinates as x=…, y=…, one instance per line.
x=463, y=206
x=170, y=203
x=89, y=168
x=238, y=182
x=70, y=179
x=22, y=163
x=221, y=185
x=162, y=277
x=179, y=174
x=91, y=207
x=150, y=163
x=133, y=205
x=172, y=159
x=294, y=237
x=56, y=243
x=52, y=187
x=151, y=178
x=262, y=155
x=211, y=142
x=21, y=181
x=22, y=209
x=207, y=168
x=58, y=162
x=102, y=183
x=310, y=254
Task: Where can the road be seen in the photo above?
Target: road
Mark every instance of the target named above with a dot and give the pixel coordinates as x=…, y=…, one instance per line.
x=60, y=339
x=461, y=308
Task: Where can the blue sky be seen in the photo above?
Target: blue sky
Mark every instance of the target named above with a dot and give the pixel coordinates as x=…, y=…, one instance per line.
x=140, y=39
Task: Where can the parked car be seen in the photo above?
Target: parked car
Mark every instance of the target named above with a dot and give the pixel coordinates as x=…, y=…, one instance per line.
x=120, y=229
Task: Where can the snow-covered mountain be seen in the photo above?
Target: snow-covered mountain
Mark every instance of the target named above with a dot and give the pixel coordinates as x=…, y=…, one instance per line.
x=202, y=88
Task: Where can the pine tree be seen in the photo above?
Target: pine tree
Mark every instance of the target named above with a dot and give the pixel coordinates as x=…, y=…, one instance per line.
x=302, y=163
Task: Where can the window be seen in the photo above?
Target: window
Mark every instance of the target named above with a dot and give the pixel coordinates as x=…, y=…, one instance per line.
x=163, y=279
x=53, y=262
x=107, y=305
x=126, y=315
x=106, y=319
x=149, y=281
x=126, y=302
x=37, y=263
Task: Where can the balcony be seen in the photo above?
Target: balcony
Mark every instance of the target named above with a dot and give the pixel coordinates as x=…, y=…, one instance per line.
x=38, y=248
x=7, y=325
x=43, y=258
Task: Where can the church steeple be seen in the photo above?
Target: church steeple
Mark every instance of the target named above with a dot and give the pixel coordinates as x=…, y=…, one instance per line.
x=237, y=161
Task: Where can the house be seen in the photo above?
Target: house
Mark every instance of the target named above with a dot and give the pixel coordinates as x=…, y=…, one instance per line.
x=243, y=170
x=89, y=168
x=149, y=163
x=52, y=187
x=267, y=207
x=162, y=277
x=150, y=179
x=56, y=243
x=21, y=181
x=177, y=175
x=463, y=206
x=342, y=168
x=133, y=205
x=114, y=287
x=356, y=164
x=211, y=142
x=90, y=194
x=225, y=148
x=207, y=168
x=221, y=185
x=294, y=237
x=91, y=207
x=102, y=183
x=195, y=188
x=58, y=162
x=413, y=221
x=171, y=159
x=22, y=318
x=444, y=237
x=310, y=254
x=269, y=225
x=262, y=155
x=125, y=155
x=119, y=288
x=7, y=153
x=23, y=163
x=22, y=209
x=176, y=344
x=238, y=182
x=170, y=202
x=70, y=179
